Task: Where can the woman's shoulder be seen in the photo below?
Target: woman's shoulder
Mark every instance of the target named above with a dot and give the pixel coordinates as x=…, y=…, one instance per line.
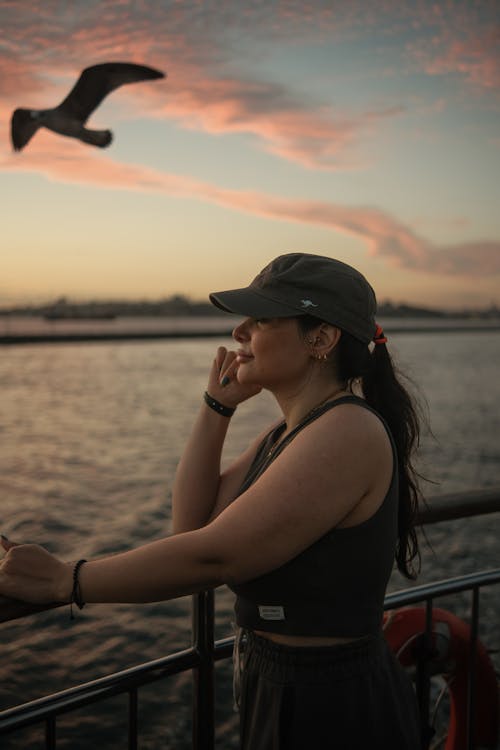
x=350, y=433
x=354, y=414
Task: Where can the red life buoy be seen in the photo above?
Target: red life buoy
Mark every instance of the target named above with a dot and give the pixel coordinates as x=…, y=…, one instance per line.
x=451, y=643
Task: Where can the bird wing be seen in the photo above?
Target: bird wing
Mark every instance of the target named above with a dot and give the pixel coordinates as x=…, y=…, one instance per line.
x=98, y=81
x=22, y=128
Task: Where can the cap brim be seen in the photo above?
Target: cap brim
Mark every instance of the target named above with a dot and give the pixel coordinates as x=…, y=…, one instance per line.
x=251, y=304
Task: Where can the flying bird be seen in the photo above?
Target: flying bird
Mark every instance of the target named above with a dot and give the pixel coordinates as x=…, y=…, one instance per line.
x=69, y=117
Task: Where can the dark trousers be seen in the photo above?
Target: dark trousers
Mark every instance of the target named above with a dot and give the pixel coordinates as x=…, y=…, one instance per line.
x=348, y=697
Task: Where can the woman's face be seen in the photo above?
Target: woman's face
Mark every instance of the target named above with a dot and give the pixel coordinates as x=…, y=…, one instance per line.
x=271, y=352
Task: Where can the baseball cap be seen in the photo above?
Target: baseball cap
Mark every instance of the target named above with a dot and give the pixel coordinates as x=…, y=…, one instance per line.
x=306, y=284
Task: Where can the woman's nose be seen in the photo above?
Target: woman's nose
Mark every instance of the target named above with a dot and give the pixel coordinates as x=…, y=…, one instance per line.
x=241, y=332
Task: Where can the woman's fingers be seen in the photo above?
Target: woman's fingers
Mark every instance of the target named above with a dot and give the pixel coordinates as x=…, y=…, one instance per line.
x=25, y=559
x=223, y=383
x=29, y=572
x=229, y=370
x=221, y=356
x=222, y=369
x=6, y=543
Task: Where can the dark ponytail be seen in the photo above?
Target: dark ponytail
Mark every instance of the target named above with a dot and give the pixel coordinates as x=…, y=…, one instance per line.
x=383, y=390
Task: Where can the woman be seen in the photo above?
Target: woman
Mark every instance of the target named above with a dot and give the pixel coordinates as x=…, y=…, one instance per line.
x=304, y=526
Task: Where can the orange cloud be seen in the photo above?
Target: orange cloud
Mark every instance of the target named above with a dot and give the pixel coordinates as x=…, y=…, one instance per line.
x=195, y=48
x=45, y=45
x=50, y=43
x=17, y=75
x=383, y=235
x=477, y=59
x=472, y=54
x=310, y=135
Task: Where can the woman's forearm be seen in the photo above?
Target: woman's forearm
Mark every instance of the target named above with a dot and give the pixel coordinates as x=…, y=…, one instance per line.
x=164, y=569
x=197, y=477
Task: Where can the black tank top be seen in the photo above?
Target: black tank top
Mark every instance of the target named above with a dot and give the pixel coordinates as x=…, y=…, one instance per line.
x=336, y=587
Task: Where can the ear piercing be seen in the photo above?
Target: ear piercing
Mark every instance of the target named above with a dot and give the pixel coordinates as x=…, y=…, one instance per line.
x=320, y=357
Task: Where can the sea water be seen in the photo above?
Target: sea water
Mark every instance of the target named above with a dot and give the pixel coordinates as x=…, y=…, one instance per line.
x=90, y=436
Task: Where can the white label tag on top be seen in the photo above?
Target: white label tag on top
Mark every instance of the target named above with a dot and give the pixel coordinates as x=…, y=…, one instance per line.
x=271, y=612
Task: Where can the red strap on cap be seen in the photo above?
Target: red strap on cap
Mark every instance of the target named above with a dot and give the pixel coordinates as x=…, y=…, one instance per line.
x=379, y=337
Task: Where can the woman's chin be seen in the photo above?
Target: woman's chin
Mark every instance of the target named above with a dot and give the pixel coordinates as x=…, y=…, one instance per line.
x=244, y=377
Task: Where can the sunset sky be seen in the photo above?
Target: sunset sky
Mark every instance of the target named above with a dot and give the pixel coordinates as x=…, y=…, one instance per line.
x=366, y=131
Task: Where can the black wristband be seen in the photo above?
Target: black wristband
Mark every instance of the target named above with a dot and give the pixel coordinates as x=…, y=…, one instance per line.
x=225, y=411
x=76, y=593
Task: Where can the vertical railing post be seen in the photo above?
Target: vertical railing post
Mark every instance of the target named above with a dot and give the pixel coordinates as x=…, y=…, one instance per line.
x=423, y=681
x=471, y=685
x=204, y=676
x=50, y=733
x=133, y=727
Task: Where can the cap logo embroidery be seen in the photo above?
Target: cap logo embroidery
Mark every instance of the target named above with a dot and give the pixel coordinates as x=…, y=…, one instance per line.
x=307, y=303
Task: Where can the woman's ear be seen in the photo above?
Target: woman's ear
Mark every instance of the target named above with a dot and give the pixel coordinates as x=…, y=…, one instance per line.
x=323, y=340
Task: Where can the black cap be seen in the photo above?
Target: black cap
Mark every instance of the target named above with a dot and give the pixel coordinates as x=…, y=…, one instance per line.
x=306, y=284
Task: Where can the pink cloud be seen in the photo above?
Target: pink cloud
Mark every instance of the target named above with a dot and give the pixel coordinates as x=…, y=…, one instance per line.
x=309, y=135
x=203, y=90
x=49, y=43
x=472, y=55
x=43, y=51
x=17, y=75
x=312, y=136
x=384, y=236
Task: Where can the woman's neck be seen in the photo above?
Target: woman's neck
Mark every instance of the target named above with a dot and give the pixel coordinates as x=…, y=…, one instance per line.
x=296, y=407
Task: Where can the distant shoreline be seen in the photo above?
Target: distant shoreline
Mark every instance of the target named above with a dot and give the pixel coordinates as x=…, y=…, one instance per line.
x=7, y=339
x=67, y=338
x=179, y=305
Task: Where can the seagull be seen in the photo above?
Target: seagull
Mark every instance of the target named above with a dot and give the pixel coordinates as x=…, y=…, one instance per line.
x=70, y=116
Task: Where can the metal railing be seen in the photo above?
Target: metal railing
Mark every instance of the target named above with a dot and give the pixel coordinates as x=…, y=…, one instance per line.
x=205, y=651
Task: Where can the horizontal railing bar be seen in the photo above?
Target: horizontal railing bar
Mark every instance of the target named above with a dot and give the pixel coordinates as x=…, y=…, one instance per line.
x=99, y=689
x=223, y=648
x=120, y=682
x=441, y=588
x=12, y=609
x=460, y=505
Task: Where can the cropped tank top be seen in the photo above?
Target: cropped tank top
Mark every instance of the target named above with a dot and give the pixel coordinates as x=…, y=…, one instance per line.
x=335, y=587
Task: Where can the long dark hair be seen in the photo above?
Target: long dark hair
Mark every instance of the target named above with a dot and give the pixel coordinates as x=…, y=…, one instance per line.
x=383, y=390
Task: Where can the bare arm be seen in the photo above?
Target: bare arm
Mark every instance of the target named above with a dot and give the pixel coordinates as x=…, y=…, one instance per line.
x=200, y=492
x=340, y=463
x=197, y=478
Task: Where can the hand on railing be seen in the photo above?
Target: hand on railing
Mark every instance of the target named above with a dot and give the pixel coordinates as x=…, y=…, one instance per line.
x=30, y=573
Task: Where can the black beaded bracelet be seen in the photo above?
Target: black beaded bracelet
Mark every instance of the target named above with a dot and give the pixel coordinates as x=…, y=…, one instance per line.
x=225, y=411
x=76, y=593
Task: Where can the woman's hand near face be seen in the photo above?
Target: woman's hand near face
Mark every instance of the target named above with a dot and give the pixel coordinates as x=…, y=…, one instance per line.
x=29, y=573
x=201, y=489
x=223, y=384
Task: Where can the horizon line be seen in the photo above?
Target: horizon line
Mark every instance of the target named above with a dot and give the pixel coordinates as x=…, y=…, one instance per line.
x=64, y=300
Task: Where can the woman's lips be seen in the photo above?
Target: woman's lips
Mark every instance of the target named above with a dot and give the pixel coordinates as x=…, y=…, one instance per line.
x=242, y=357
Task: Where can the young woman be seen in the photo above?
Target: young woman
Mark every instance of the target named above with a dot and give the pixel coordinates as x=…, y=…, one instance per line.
x=304, y=526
